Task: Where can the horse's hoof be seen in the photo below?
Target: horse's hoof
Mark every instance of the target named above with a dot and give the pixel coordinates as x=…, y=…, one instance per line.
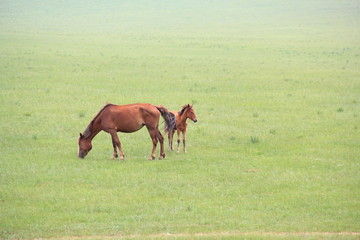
x=151, y=158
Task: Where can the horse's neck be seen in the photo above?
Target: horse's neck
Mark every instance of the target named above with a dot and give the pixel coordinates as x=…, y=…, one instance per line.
x=90, y=132
x=92, y=135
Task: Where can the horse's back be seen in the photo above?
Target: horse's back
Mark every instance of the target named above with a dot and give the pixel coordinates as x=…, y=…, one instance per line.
x=134, y=109
x=144, y=111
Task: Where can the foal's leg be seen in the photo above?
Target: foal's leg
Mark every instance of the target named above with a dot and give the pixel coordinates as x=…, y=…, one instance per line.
x=116, y=144
x=171, y=137
x=178, y=140
x=184, y=140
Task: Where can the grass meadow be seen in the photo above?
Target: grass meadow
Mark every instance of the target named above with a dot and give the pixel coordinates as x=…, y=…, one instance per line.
x=275, y=152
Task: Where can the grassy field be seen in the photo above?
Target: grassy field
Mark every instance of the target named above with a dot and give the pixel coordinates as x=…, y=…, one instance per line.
x=275, y=153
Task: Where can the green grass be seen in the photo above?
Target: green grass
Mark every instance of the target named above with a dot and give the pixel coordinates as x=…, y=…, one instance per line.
x=275, y=151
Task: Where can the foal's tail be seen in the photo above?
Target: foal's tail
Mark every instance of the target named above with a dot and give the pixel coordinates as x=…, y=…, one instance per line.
x=168, y=117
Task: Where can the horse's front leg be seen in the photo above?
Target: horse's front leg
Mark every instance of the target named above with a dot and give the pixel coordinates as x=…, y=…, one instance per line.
x=116, y=144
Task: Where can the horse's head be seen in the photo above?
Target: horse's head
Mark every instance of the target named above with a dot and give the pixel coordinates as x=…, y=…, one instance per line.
x=190, y=113
x=84, y=146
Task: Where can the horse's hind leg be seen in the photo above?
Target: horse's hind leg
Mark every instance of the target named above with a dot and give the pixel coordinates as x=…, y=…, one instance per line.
x=116, y=144
x=161, y=140
x=152, y=132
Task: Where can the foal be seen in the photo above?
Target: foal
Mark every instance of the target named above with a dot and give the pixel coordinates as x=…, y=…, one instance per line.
x=186, y=112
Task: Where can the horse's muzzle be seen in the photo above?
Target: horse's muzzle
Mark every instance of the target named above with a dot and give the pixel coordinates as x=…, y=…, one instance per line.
x=195, y=120
x=81, y=155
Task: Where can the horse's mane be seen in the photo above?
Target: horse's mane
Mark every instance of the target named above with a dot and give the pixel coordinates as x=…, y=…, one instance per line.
x=184, y=108
x=88, y=130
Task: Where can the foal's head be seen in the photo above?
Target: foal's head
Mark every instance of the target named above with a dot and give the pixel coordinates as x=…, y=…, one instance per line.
x=189, y=112
x=84, y=146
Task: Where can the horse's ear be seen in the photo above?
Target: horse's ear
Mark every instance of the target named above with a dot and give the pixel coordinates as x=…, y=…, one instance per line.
x=81, y=136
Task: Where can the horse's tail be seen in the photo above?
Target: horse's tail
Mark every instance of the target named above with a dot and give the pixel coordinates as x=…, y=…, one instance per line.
x=168, y=117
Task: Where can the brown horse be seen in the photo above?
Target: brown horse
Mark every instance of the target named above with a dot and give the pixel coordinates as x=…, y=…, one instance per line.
x=127, y=118
x=186, y=112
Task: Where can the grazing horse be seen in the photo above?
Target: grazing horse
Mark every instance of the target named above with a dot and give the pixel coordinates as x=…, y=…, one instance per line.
x=186, y=112
x=127, y=118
